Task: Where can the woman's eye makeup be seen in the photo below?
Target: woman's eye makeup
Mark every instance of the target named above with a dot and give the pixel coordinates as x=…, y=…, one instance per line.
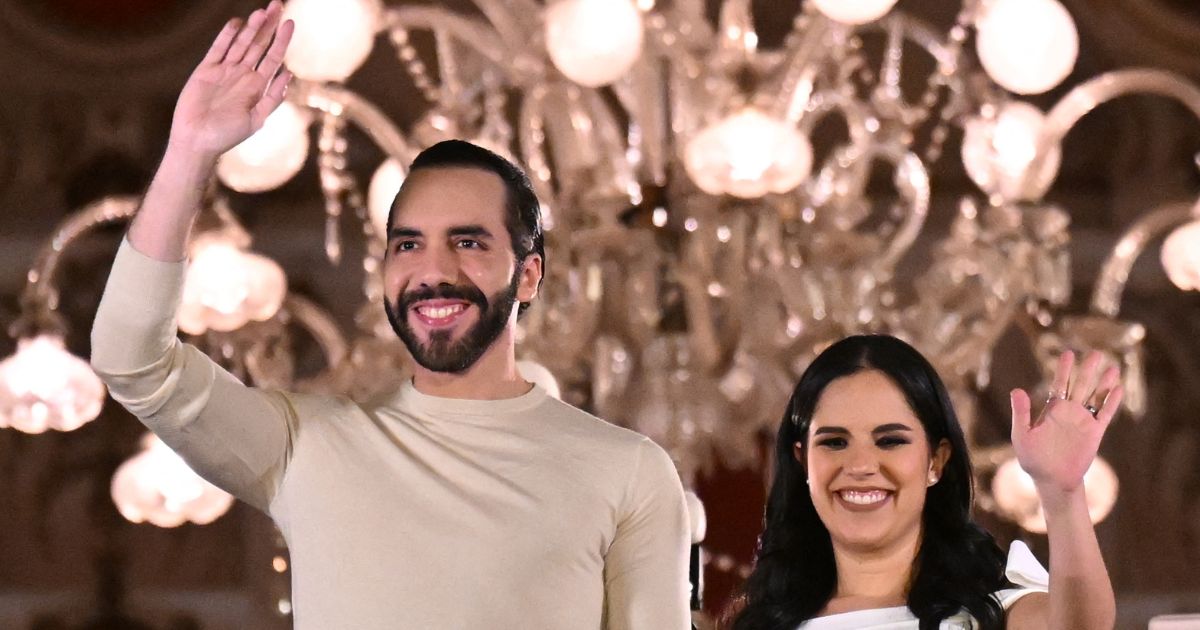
x=832, y=442
x=892, y=441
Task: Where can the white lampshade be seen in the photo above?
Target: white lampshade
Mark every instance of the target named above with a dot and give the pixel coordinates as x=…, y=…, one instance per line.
x=854, y=11
x=748, y=155
x=44, y=387
x=1027, y=46
x=271, y=156
x=1016, y=495
x=385, y=183
x=593, y=42
x=540, y=375
x=332, y=38
x=1181, y=256
x=157, y=486
x=998, y=152
x=226, y=287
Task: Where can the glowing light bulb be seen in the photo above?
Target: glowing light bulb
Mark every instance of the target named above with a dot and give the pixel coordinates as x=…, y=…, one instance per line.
x=593, y=42
x=1027, y=46
x=45, y=387
x=270, y=157
x=854, y=11
x=385, y=183
x=748, y=154
x=226, y=287
x=1016, y=495
x=332, y=37
x=157, y=486
x=1181, y=256
x=998, y=152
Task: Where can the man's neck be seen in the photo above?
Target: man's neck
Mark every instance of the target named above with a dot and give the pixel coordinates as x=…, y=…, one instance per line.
x=493, y=377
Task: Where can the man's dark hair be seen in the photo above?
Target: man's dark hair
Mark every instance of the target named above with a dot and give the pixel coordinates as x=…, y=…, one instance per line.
x=523, y=216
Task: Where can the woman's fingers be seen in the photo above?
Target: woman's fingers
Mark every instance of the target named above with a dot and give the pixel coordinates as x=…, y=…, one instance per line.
x=1085, y=385
x=1108, y=381
x=1112, y=403
x=221, y=44
x=274, y=58
x=1062, y=375
x=1020, y=411
x=245, y=37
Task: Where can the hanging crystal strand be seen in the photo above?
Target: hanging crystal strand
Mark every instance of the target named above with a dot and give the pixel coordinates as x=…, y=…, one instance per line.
x=940, y=79
x=495, y=129
x=413, y=65
x=331, y=162
x=337, y=184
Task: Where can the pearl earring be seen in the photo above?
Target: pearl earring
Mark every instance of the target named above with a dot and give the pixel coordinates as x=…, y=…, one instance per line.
x=933, y=478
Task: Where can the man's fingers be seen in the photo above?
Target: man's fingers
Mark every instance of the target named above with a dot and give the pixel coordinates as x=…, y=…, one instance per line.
x=245, y=37
x=263, y=37
x=221, y=44
x=274, y=59
x=271, y=99
x=1085, y=384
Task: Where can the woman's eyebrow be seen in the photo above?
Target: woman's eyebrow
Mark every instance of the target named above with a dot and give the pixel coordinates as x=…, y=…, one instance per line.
x=888, y=428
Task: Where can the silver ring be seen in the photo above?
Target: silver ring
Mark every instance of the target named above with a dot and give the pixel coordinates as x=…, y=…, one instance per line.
x=1092, y=410
x=1055, y=395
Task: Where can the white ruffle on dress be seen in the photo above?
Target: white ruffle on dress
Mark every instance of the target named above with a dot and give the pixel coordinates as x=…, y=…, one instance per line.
x=1022, y=569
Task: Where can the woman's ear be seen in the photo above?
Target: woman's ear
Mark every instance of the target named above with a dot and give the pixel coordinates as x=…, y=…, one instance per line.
x=798, y=452
x=939, y=457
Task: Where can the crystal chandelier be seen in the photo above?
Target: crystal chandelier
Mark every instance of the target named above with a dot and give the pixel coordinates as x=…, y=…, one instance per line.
x=707, y=238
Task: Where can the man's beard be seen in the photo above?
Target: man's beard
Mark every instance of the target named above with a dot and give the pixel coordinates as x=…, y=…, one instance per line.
x=442, y=354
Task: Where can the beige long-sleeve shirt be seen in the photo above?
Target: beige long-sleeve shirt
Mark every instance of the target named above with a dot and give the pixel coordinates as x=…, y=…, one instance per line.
x=415, y=511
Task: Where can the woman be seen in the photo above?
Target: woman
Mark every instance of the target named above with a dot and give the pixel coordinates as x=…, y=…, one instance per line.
x=868, y=520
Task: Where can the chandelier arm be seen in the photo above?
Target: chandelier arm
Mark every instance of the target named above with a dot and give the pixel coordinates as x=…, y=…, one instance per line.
x=340, y=101
x=794, y=87
x=1114, y=274
x=516, y=21
x=479, y=36
x=40, y=293
x=320, y=325
x=1086, y=96
x=912, y=180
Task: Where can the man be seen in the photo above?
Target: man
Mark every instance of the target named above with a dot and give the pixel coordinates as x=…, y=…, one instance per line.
x=469, y=499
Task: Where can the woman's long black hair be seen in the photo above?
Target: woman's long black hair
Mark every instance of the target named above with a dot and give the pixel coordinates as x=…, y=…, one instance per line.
x=958, y=565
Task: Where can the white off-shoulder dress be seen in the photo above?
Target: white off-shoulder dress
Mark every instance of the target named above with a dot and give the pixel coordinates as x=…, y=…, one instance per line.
x=1022, y=569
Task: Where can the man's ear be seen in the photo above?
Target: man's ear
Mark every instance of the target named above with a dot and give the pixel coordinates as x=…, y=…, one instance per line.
x=531, y=278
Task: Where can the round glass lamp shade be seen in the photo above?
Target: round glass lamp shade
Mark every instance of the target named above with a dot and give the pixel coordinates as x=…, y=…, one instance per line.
x=385, y=184
x=158, y=487
x=998, y=153
x=593, y=42
x=270, y=157
x=1016, y=496
x=748, y=155
x=45, y=387
x=226, y=287
x=332, y=37
x=1026, y=46
x=854, y=11
x=540, y=375
x=1181, y=256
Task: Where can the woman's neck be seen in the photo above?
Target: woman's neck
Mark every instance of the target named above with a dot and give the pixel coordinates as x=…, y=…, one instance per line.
x=874, y=577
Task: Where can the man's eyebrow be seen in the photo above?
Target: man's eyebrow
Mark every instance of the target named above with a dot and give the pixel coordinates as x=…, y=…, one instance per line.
x=470, y=230
x=403, y=232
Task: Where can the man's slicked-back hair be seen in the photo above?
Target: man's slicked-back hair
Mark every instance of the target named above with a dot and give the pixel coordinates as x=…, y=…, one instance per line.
x=523, y=215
